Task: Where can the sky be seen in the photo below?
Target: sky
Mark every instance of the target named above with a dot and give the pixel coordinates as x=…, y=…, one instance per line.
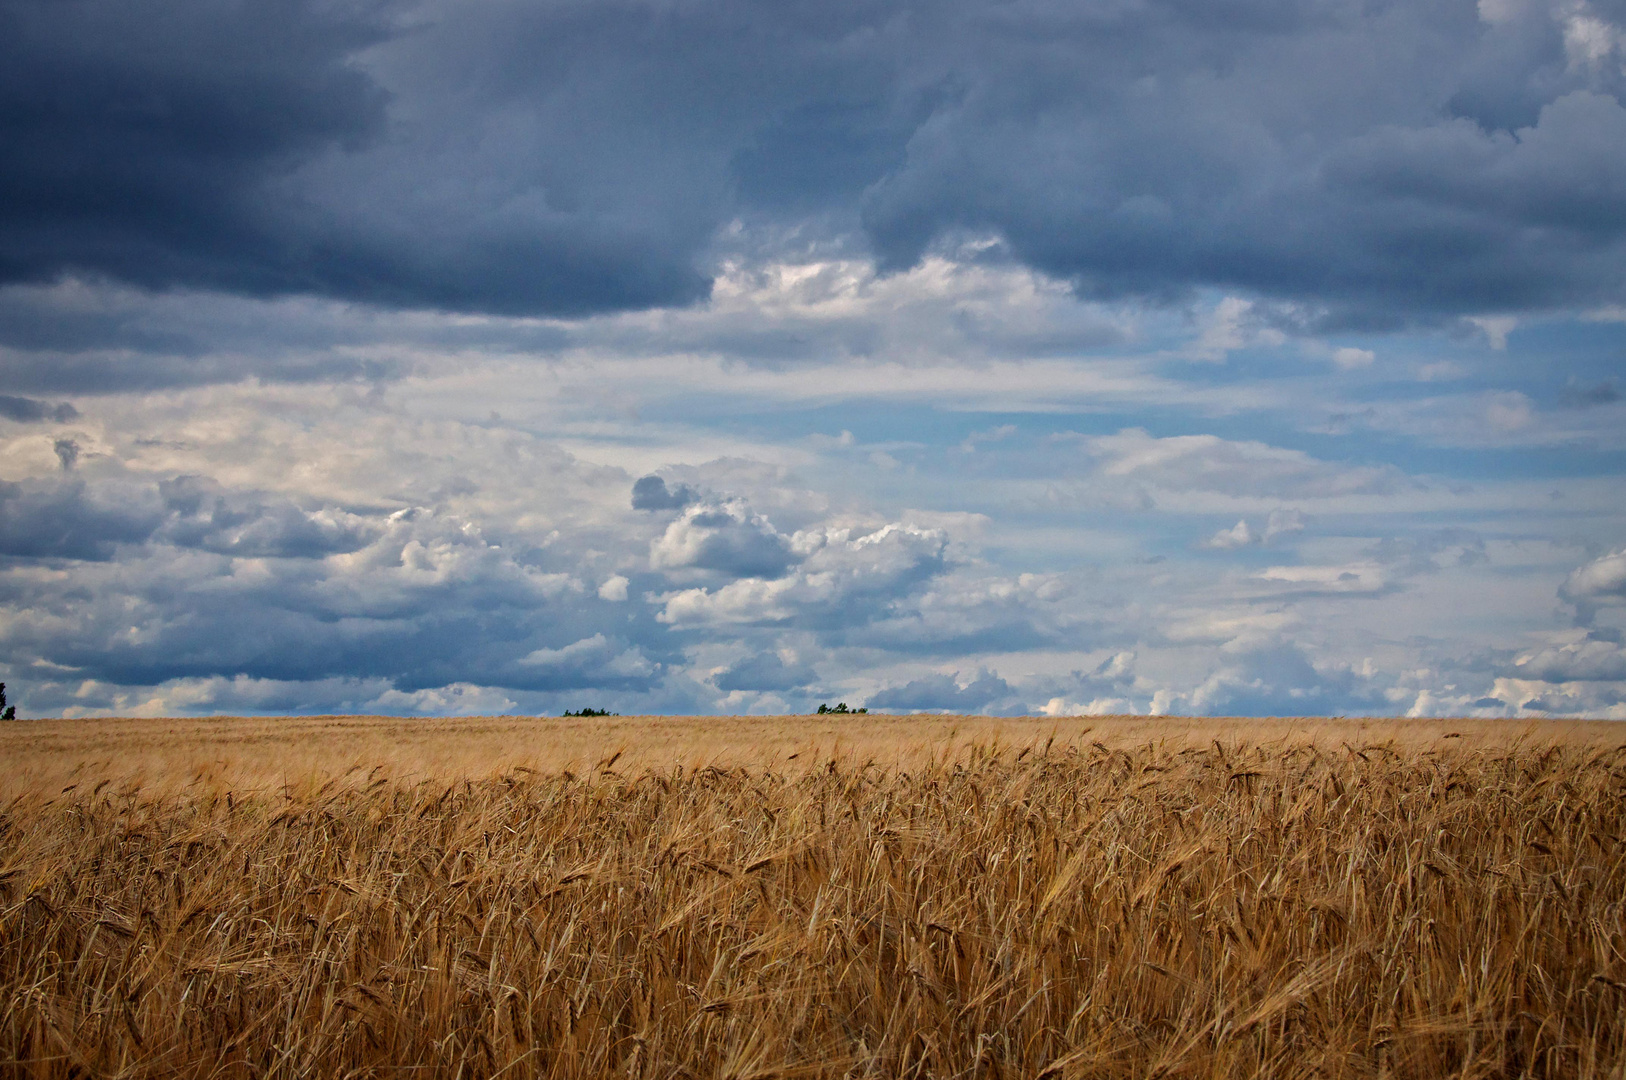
x=1202, y=357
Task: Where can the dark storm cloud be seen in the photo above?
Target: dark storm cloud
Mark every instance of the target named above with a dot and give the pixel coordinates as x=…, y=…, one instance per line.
x=27, y=409
x=652, y=493
x=142, y=136
x=1146, y=151
x=1380, y=161
x=70, y=520
x=176, y=142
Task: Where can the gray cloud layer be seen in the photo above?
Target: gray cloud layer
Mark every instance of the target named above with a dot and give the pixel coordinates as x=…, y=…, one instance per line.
x=1376, y=162
x=26, y=409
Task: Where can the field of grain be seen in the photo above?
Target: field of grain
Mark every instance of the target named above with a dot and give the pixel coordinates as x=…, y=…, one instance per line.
x=898, y=897
x=264, y=754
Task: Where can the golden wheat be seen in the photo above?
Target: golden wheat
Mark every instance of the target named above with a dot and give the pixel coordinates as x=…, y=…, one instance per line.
x=44, y=756
x=1234, y=910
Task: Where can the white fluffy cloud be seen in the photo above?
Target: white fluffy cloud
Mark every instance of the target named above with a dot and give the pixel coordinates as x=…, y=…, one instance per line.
x=725, y=537
x=1601, y=581
x=1279, y=523
x=1577, y=661
x=1237, y=536
x=839, y=579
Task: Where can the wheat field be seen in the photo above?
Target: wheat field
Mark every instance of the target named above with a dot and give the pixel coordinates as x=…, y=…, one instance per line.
x=901, y=897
